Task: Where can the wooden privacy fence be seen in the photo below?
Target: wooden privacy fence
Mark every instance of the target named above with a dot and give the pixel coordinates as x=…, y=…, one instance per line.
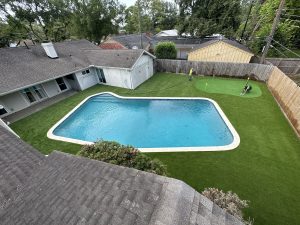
x=287, y=93
x=289, y=66
x=262, y=72
x=284, y=90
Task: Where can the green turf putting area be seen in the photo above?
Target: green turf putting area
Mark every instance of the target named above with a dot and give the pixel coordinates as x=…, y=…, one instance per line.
x=228, y=86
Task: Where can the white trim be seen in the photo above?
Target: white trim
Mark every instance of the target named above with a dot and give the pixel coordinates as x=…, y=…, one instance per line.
x=235, y=143
x=144, y=52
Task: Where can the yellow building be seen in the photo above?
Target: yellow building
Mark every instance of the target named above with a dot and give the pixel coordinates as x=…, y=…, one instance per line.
x=222, y=50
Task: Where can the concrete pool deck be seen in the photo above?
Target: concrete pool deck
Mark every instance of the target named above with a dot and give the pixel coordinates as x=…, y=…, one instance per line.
x=37, y=107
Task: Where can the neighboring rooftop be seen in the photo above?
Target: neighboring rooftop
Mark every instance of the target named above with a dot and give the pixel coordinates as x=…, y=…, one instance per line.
x=167, y=33
x=111, y=45
x=22, y=67
x=131, y=41
x=227, y=41
x=67, y=189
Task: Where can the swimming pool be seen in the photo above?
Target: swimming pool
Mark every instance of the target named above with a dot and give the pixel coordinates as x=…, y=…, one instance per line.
x=150, y=124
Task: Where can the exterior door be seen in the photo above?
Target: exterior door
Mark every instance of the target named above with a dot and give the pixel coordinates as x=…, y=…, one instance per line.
x=100, y=75
x=34, y=93
x=29, y=94
x=61, y=83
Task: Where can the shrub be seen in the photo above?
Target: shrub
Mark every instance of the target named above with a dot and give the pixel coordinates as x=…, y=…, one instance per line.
x=115, y=153
x=228, y=201
x=165, y=50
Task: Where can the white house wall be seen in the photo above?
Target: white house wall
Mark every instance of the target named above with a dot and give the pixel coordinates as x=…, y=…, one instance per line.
x=13, y=102
x=142, y=71
x=51, y=88
x=87, y=80
x=118, y=77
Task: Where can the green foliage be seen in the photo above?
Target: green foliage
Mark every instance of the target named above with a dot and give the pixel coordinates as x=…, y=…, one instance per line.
x=229, y=201
x=95, y=19
x=46, y=14
x=287, y=32
x=203, y=18
x=155, y=15
x=165, y=50
x=113, y=152
x=58, y=20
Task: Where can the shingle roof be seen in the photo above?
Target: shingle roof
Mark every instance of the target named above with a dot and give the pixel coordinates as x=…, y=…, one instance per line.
x=132, y=40
x=18, y=161
x=167, y=33
x=74, y=190
x=227, y=41
x=21, y=67
x=115, y=45
x=122, y=58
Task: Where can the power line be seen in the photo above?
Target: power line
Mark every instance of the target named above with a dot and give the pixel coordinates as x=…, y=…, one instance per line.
x=286, y=48
x=291, y=9
x=274, y=25
x=272, y=46
x=290, y=19
x=290, y=15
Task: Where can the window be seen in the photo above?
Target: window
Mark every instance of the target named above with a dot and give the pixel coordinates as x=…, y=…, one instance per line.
x=2, y=110
x=85, y=72
x=29, y=95
x=38, y=89
x=61, y=84
x=101, y=76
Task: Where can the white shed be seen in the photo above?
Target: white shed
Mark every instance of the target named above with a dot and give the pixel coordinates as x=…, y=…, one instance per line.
x=121, y=68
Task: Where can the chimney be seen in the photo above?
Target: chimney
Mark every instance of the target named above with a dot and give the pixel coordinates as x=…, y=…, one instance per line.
x=50, y=50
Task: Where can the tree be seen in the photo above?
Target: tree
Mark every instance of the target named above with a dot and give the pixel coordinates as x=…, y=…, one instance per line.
x=287, y=32
x=115, y=153
x=203, y=18
x=165, y=50
x=135, y=15
x=43, y=19
x=163, y=15
x=155, y=15
x=96, y=19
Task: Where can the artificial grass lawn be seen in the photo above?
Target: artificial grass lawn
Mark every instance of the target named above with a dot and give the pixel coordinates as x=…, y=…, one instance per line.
x=228, y=86
x=263, y=169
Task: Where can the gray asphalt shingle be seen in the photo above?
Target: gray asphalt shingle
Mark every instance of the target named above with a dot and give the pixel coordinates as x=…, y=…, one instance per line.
x=18, y=161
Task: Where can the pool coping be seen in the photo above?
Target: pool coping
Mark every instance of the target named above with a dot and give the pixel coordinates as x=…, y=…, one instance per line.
x=235, y=143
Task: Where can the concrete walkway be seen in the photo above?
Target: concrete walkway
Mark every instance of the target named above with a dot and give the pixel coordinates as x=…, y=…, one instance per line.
x=37, y=107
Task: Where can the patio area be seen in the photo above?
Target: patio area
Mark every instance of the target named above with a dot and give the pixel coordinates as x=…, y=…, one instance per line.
x=264, y=168
x=38, y=106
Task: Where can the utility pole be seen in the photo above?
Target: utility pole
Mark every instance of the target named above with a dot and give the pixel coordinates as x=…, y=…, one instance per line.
x=250, y=8
x=270, y=37
x=140, y=26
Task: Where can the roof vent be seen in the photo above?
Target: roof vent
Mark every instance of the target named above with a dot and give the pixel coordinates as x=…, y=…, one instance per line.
x=50, y=50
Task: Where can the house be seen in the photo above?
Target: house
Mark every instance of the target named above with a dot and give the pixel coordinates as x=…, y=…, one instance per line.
x=66, y=189
x=221, y=50
x=129, y=41
x=29, y=75
x=111, y=44
x=167, y=33
x=183, y=44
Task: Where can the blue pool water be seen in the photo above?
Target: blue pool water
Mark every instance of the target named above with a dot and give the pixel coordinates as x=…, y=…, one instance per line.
x=147, y=123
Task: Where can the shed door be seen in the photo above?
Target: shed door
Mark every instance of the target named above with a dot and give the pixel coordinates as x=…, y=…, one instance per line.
x=100, y=75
